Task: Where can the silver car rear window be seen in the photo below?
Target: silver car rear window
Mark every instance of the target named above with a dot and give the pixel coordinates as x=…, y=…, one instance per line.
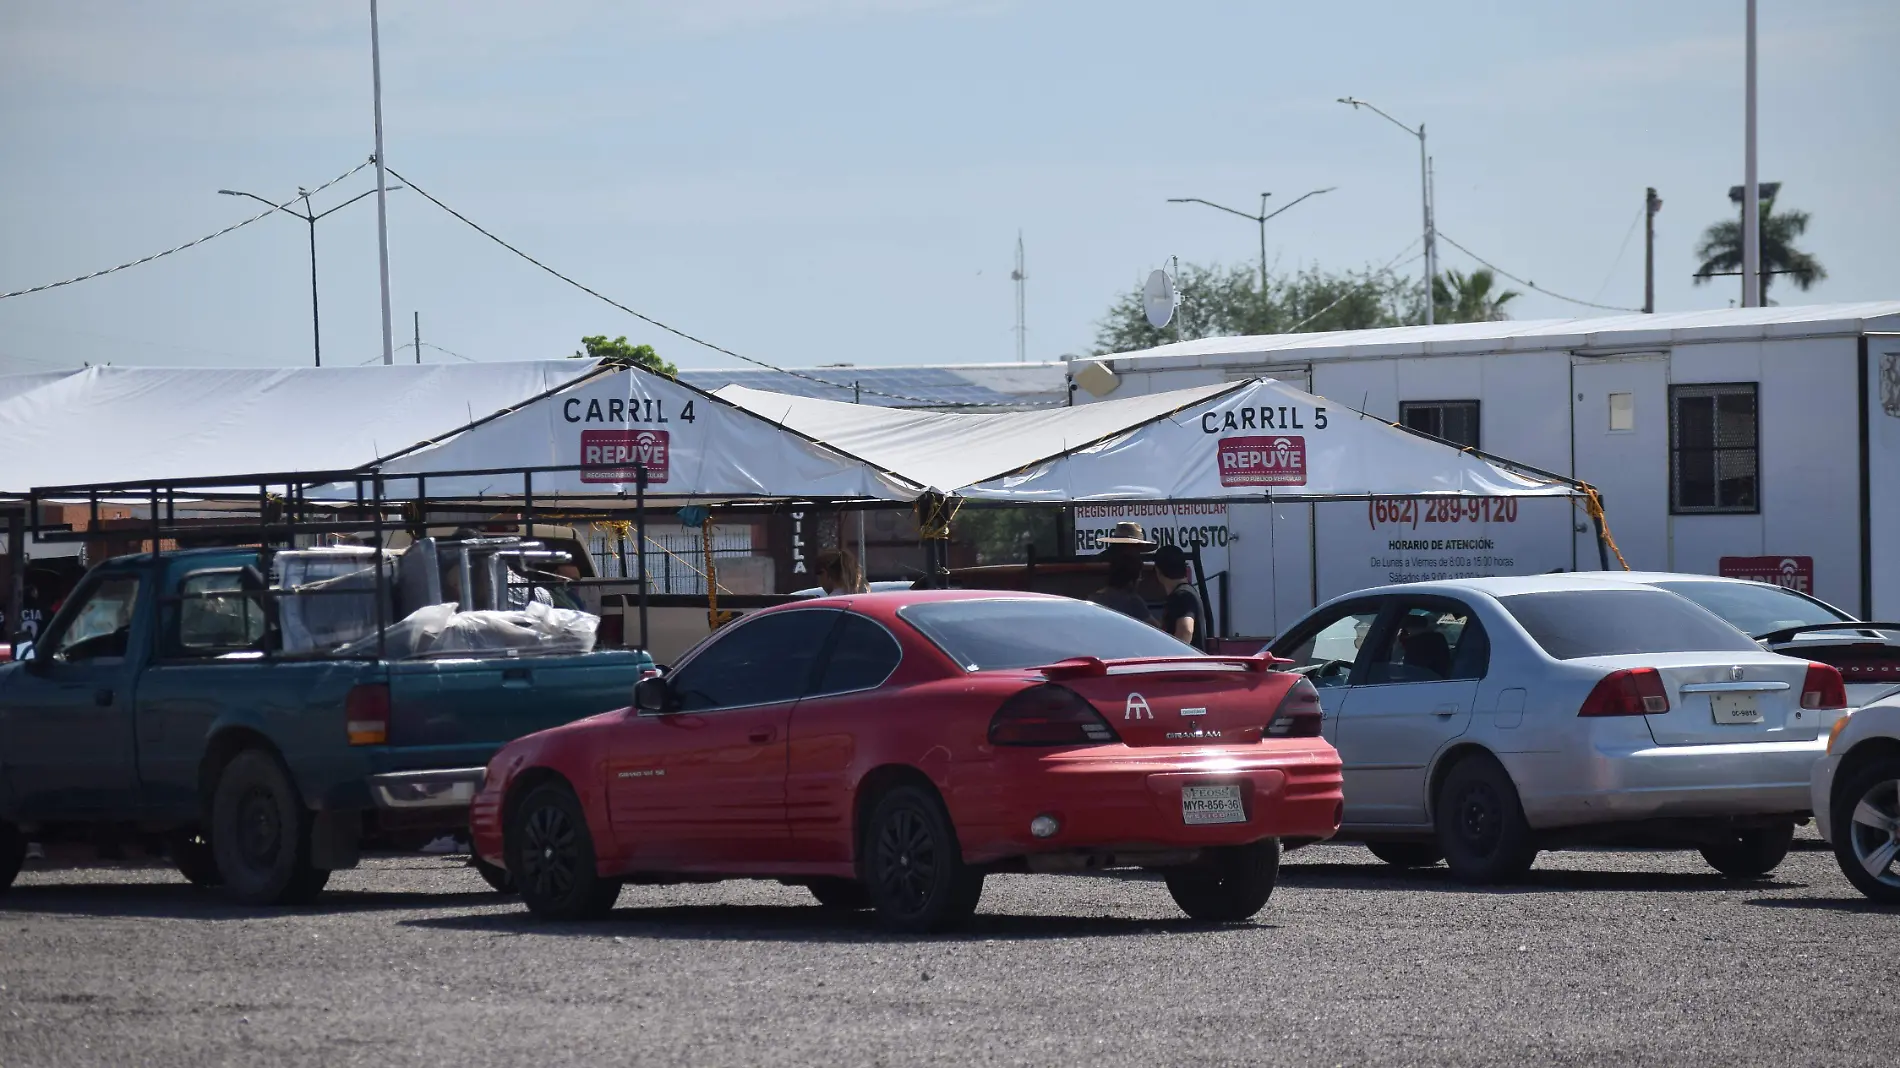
x=1571, y=624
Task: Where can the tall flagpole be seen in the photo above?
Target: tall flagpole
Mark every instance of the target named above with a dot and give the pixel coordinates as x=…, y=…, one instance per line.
x=1751, y=193
x=382, y=188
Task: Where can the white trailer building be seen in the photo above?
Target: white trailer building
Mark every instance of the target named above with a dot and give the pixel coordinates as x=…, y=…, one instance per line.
x=1762, y=442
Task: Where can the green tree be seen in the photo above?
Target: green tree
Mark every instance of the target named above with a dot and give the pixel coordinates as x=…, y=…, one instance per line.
x=1458, y=297
x=618, y=353
x=1720, y=250
x=1221, y=301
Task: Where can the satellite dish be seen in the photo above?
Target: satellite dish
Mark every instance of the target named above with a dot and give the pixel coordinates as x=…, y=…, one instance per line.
x=1157, y=299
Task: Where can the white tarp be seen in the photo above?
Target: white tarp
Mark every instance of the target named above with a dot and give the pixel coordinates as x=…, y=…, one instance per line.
x=125, y=424
x=1264, y=440
x=946, y=451
x=693, y=444
x=1229, y=441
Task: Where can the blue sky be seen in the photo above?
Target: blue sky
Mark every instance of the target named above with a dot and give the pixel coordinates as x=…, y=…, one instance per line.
x=842, y=181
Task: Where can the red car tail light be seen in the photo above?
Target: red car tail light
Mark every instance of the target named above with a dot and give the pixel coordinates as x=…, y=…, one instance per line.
x=1299, y=714
x=1823, y=688
x=1629, y=692
x=366, y=714
x=1049, y=715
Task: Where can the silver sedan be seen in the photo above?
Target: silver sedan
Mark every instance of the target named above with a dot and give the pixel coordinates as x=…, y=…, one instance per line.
x=1482, y=720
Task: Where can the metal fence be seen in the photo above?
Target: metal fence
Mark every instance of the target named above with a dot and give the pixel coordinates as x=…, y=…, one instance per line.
x=676, y=562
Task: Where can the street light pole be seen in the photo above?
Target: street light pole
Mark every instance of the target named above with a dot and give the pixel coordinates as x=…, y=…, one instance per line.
x=1260, y=219
x=1751, y=196
x=382, y=205
x=1425, y=196
x=310, y=218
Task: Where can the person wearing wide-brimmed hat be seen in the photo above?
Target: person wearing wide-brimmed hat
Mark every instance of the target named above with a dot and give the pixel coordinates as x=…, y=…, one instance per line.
x=1126, y=544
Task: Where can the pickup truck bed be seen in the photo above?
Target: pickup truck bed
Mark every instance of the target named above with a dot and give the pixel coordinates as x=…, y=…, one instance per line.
x=260, y=771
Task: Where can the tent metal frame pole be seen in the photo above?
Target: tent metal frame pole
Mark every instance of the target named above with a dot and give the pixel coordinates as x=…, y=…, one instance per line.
x=640, y=543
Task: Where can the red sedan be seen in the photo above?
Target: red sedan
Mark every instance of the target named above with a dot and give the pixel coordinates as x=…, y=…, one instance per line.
x=890, y=750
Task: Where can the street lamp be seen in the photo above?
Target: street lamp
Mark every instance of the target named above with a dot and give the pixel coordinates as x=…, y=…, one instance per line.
x=1425, y=189
x=1260, y=218
x=309, y=217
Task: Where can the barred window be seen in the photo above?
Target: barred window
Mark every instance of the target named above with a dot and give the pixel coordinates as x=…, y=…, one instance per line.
x=1455, y=421
x=1713, y=453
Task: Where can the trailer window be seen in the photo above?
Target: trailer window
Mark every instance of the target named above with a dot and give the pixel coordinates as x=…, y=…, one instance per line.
x=1455, y=421
x=1713, y=461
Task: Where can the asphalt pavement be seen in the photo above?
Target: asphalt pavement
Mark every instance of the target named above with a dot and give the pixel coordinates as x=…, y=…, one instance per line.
x=1601, y=958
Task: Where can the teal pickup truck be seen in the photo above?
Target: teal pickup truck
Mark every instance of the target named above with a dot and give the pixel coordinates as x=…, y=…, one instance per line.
x=161, y=708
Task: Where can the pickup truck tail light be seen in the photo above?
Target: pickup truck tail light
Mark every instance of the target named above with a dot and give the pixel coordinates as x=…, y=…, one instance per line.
x=1629, y=692
x=1299, y=714
x=366, y=714
x=1823, y=688
x=1049, y=715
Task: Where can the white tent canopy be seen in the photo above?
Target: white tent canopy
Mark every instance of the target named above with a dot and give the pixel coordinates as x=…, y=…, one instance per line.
x=692, y=444
x=1249, y=440
x=127, y=424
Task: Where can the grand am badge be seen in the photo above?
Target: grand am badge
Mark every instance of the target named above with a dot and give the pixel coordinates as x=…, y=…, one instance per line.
x=1136, y=707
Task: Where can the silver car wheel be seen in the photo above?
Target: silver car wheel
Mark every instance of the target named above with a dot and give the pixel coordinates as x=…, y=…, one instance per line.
x=1874, y=832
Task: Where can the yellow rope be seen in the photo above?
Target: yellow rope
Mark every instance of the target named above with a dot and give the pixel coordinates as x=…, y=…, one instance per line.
x=1593, y=504
x=714, y=617
x=934, y=513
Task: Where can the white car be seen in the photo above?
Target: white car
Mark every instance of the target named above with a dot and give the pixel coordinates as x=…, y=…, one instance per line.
x=1785, y=621
x=1481, y=720
x=1856, y=798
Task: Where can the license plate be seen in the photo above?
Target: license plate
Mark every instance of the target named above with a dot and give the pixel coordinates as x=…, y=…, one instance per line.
x=1736, y=707
x=1211, y=804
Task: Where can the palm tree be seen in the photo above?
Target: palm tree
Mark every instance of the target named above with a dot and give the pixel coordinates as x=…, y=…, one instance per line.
x=1721, y=249
x=1466, y=298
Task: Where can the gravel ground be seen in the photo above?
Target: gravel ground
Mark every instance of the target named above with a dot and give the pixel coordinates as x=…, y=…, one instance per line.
x=1602, y=958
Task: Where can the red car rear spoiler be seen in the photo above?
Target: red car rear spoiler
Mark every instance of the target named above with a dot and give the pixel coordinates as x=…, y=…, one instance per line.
x=1094, y=667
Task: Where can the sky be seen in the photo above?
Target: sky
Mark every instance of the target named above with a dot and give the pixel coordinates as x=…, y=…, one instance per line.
x=814, y=182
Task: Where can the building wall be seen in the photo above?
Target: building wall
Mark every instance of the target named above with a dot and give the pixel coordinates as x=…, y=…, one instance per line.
x=1549, y=410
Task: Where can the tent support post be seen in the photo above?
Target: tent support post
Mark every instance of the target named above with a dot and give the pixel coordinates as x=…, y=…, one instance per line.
x=376, y=561
x=640, y=543
x=16, y=575
x=1603, y=543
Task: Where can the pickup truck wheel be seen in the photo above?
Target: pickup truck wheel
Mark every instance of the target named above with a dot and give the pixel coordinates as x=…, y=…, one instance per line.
x=12, y=853
x=1229, y=884
x=1752, y=853
x=260, y=834
x=193, y=857
x=551, y=851
x=913, y=864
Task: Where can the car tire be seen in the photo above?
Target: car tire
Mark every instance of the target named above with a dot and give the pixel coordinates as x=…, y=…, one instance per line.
x=1228, y=884
x=1856, y=843
x=1750, y=853
x=194, y=858
x=260, y=834
x=12, y=854
x=841, y=895
x=551, y=851
x=1407, y=854
x=498, y=878
x=912, y=864
x=1481, y=825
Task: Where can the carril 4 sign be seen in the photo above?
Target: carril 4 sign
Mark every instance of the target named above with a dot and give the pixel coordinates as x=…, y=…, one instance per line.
x=1263, y=460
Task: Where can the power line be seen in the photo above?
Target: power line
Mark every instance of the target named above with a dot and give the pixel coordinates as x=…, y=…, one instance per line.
x=1620, y=249
x=648, y=319
x=1528, y=284
x=189, y=244
x=1353, y=292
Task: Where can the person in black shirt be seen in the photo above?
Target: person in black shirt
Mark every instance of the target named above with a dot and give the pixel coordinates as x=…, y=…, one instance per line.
x=1123, y=549
x=1182, y=615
